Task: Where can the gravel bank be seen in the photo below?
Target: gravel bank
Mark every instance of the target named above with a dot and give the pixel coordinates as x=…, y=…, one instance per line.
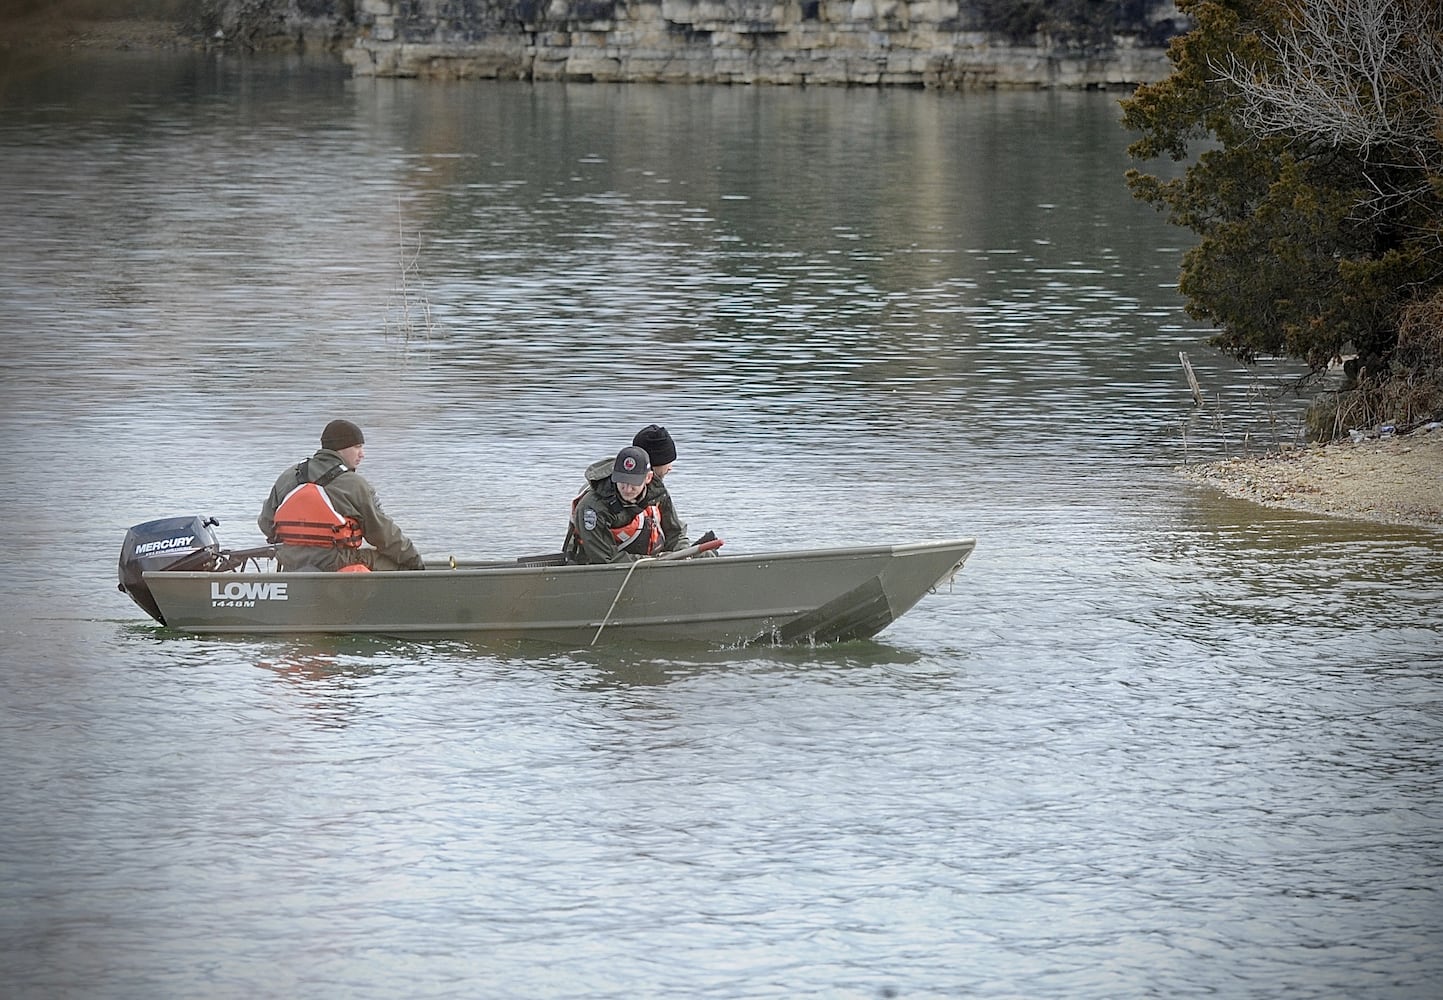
x=1397, y=480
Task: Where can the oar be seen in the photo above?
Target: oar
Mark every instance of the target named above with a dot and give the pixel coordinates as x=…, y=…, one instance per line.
x=557, y=559
x=693, y=550
x=547, y=559
x=453, y=563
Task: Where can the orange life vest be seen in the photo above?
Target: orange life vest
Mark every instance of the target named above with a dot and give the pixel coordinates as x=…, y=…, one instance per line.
x=642, y=535
x=307, y=517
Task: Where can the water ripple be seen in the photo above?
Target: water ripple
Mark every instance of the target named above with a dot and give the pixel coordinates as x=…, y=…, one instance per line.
x=1150, y=742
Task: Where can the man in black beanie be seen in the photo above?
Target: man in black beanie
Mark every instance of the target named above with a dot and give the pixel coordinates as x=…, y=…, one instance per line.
x=341, y=434
x=320, y=511
x=659, y=447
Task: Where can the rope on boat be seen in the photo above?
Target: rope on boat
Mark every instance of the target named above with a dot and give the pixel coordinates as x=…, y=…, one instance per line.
x=609, y=610
x=686, y=553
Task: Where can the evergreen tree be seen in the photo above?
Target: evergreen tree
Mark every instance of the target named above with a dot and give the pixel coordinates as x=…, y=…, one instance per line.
x=1313, y=130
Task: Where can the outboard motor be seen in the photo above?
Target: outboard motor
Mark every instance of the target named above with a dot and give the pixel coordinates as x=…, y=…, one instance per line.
x=171, y=543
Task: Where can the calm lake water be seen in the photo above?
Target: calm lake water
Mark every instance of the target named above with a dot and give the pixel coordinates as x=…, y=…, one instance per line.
x=1151, y=743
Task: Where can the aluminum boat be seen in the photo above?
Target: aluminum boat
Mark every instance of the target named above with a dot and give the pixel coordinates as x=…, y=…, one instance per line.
x=177, y=572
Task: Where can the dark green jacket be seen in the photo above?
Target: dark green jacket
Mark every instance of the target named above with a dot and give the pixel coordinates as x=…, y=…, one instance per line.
x=352, y=496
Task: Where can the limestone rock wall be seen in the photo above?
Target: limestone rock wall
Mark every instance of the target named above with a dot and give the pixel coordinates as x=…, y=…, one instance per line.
x=946, y=44
x=271, y=25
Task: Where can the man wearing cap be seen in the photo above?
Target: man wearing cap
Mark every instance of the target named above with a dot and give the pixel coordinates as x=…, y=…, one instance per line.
x=661, y=453
x=612, y=521
x=319, y=512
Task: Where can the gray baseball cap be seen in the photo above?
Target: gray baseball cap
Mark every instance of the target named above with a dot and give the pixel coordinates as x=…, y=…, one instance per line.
x=631, y=466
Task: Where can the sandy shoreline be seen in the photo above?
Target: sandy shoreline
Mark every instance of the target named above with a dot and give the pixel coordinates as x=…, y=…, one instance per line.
x=1396, y=480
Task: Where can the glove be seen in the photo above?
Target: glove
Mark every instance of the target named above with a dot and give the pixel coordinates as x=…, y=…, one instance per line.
x=710, y=536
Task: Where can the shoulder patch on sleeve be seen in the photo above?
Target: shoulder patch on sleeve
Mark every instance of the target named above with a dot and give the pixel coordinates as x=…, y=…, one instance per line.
x=588, y=520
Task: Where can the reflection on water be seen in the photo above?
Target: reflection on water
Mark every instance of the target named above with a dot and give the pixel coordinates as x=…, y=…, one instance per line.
x=1150, y=742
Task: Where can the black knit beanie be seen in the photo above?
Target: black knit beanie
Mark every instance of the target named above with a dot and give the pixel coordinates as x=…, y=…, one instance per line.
x=341, y=434
x=657, y=443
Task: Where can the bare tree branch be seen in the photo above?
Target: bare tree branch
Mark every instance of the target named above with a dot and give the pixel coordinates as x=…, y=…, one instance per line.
x=1361, y=74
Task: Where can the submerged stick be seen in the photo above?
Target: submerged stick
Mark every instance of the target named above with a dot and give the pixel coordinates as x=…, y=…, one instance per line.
x=1197, y=394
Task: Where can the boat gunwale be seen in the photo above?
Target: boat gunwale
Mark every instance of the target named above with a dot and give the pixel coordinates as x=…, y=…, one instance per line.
x=508, y=568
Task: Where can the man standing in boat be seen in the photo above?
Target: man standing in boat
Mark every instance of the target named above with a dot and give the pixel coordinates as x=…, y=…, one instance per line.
x=320, y=511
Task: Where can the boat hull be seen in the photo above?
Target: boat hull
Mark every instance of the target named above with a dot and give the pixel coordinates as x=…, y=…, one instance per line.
x=817, y=595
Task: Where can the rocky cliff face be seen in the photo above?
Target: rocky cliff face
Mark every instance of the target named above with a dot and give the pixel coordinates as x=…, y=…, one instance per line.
x=948, y=44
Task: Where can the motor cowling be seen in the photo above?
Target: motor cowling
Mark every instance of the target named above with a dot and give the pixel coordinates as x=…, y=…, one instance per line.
x=170, y=543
